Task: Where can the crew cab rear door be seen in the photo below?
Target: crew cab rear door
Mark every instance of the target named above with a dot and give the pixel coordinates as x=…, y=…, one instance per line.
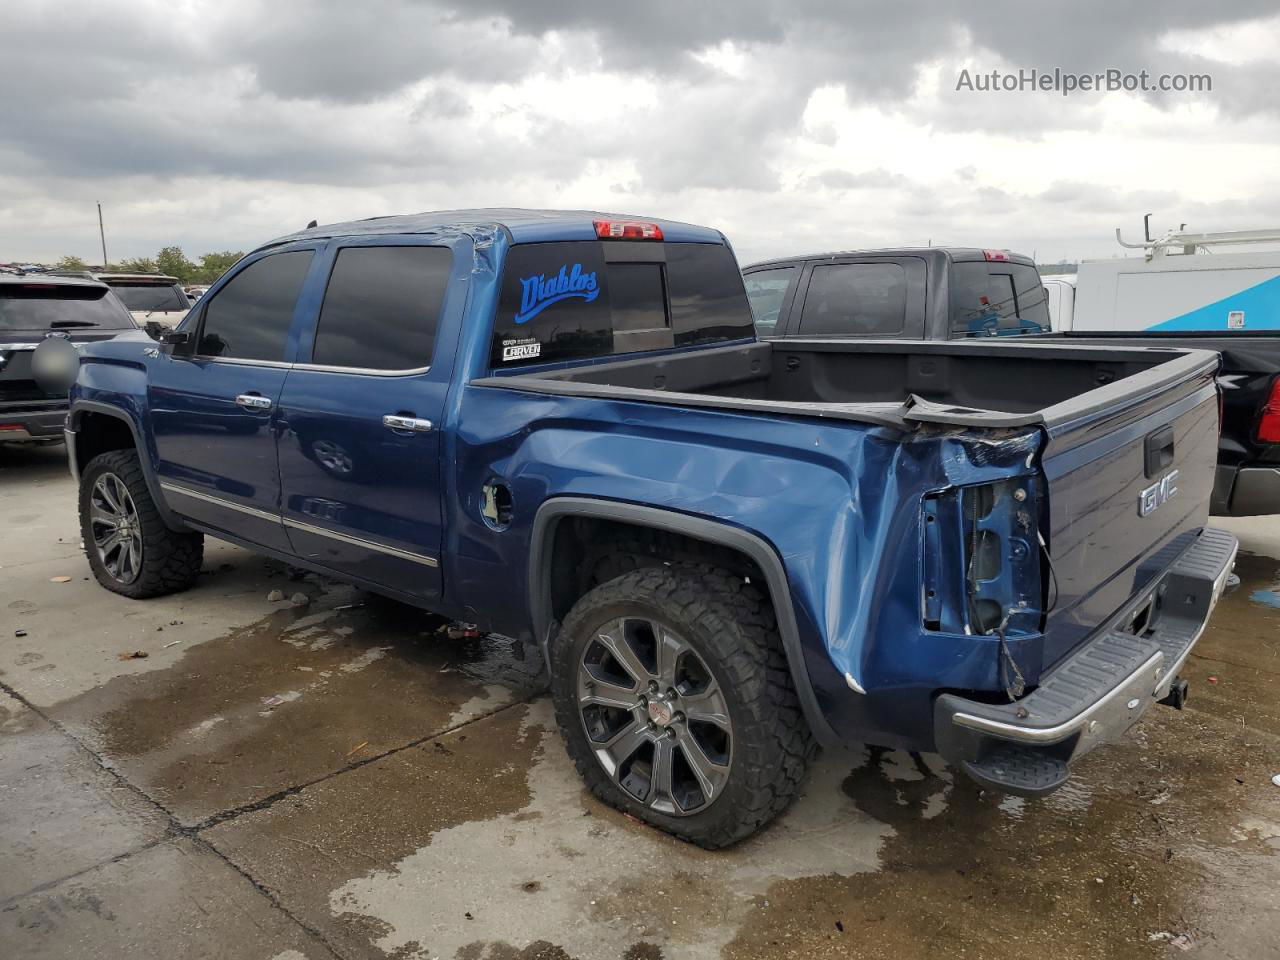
x=361, y=415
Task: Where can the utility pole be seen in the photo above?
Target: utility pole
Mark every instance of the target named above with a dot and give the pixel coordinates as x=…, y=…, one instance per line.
x=102, y=234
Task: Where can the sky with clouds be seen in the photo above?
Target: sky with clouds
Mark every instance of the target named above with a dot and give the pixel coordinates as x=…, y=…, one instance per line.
x=795, y=126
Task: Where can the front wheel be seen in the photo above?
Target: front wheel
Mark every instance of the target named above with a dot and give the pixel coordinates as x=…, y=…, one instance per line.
x=130, y=549
x=676, y=705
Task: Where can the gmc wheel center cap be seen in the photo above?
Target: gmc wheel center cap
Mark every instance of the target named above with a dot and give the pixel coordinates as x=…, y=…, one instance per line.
x=660, y=712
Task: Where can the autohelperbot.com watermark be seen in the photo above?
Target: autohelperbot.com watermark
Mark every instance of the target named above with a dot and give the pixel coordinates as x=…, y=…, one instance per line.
x=1066, y=82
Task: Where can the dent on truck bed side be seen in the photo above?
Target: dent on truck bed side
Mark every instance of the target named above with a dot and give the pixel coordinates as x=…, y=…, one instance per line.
x=837, y=504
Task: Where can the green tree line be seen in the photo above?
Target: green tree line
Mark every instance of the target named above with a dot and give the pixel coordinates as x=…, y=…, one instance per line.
x=170, y=261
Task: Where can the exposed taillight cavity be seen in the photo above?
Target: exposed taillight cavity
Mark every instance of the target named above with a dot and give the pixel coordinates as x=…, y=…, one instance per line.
x=982, y=560
x=999, y=255
x=627, y=230
x=1269, y=417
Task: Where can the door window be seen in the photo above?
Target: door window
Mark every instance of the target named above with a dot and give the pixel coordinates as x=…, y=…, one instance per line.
x=855, y=300
x=381, y=307
x=767, y=289
x=249, y=318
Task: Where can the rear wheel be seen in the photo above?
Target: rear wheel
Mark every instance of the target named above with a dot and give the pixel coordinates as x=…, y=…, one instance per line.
x=130, y=549
x=675, y=702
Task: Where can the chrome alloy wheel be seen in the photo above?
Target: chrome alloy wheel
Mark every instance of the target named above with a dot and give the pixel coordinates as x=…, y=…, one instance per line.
x=117, y=531
x=655, y=716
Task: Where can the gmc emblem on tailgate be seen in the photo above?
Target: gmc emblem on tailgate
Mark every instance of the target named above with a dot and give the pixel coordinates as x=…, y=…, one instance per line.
x=1158, y=494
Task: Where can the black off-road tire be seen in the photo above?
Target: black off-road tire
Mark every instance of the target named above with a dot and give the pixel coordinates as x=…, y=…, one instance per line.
x=731, y=627
x=170, y=560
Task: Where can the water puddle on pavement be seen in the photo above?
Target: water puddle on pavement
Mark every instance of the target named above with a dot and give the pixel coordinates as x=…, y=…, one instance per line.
x=566, y=871
x=483, y=845
x=293, y=697
x=1163, y=841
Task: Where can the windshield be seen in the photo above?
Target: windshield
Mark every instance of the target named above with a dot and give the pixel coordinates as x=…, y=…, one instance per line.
x=47, y=306
x=152, y=297
x=997, y=299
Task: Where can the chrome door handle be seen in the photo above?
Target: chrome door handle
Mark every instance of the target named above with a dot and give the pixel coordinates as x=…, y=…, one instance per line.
x=251, y=401
x=411, y=424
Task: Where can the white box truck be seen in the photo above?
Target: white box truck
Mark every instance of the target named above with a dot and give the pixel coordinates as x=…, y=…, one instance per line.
x=1184, y=290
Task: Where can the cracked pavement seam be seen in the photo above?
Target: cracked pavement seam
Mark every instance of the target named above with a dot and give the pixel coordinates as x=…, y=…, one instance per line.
x=174, y=828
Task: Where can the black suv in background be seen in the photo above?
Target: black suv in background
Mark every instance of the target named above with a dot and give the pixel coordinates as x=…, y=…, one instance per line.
x=922, y=293
x=34, y=308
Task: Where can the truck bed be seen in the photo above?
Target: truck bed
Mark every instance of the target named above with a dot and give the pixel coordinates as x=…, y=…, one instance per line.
x=1108, y=429
x=890, y=383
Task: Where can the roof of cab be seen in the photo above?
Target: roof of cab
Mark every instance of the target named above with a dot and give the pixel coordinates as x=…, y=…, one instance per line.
x=524, y=226
x=957, y=254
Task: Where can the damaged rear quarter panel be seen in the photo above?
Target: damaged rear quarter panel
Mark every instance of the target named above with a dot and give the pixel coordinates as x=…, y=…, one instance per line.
x=839, y=502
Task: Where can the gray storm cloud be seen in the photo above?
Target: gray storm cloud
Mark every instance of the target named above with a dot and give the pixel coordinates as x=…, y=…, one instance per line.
x=108, y=101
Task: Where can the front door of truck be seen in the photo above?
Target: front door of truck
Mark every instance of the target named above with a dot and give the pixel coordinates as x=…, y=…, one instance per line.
x=360, y=445
x=214, y=405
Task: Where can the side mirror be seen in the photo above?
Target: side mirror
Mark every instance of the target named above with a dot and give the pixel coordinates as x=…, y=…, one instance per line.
x=158, y=332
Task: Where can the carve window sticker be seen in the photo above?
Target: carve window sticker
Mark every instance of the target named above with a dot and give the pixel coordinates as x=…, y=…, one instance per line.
x=525, y=349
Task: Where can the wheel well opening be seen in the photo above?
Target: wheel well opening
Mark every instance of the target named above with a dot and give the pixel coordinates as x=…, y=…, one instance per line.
x=589, y=551
x=99, y=433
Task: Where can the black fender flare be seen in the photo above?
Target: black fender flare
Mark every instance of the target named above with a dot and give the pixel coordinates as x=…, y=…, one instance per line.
x=764, y=556
x=79, y=407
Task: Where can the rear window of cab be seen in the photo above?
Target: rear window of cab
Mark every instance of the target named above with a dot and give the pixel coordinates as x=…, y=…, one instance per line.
x=579, y=300
x=997, y=298
x=154, y=297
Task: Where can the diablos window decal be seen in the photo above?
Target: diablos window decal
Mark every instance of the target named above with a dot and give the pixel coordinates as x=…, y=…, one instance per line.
x=539, y=292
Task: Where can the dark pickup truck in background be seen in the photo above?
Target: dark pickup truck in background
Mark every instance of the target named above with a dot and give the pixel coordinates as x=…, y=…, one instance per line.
x=34, y=308
x=942, y=293
x=919, y=293
x=559, y=426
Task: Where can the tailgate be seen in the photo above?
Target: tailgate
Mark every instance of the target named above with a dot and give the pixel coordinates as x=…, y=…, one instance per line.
x=1129, y=477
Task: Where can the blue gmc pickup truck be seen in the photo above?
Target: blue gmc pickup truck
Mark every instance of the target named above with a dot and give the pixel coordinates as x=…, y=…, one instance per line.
x=559, y=426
